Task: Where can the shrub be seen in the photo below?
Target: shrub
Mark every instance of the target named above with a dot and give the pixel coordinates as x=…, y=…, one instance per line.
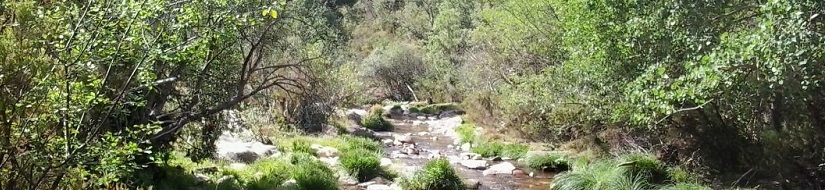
x=645, y=166
x=301, y=146
x=414, y=109
x=686, y=186
x=490, y=149
x=466, y=133
x=679, y=175
x=600, y=175
x=353, y=142
x=314, y=175
x=553, y=162
x=376, y=121
x=361, y=163
x=274, y=173
x=436, y=175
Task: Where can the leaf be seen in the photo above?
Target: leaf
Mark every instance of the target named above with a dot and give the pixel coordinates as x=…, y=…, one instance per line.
x=273, y=13
x=264, y=13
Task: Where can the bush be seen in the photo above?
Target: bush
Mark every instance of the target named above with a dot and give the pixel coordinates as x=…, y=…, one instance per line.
x=269, y=174
x=466, y=133
x=686, y=186
x=600, y=175
x=376, y=121
x=552, y=162
x=361, y=163
x=436, y=175
x=490, y=149
x=301, y=146
x=353, y=142
x=645, y=166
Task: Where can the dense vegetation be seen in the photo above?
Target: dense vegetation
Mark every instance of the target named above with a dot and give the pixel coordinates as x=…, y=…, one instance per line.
x=99, y=93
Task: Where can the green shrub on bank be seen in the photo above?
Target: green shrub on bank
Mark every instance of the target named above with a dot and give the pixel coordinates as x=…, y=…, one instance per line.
x=375, y=120
x=361, y=163
x=490, y=149
x=551, y=162
x=466, y=133
x=629, y=171
x=433, y=108
x=436, y=175
x=270, y=174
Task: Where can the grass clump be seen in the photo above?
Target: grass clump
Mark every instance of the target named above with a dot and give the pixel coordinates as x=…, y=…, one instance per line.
x=434, y=108
x=352, y=142
x=490, y=149
x=629, y=171
x=300, y=146
x=466, y=133
x=361, y=163
x=551, y=162
x=269, y=174
x=375, y=120
x=436, y=175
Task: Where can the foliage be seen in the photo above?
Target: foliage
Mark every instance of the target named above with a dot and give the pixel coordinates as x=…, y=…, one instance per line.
x=436, y=175
x=628, y=171
x=375, y=120
x=308, y=173
x=552, y=162
x=362, y=163
x=466, y=133
x=490, y=149
x=686, y=186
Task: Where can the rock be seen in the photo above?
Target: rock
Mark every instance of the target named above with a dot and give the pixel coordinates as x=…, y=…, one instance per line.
x=211, y=169
x=506, y=158
x=380, y=180
x=395, y=186
x=361, y=132
x=236, y=150
x=385, y=162
x=466, y=147
x=532, y=174
x=453, y=159
x=435, y=138
x=519, y=173
x=421, y=117
x=472, y=183
x=450, y=146
x=409, y=150
x=456, y=142
x=378, y=187
x=407, y=138
x=289, y=184
x=477, y=157
x=225, y=179
x=329, y=130
x=326, y=152
x=397, y=143
x=474, y=164
x=330, y=161
x=365, y=184
x=450, y=113
x=202, y=178
x=387, y=142
x=468, y=155
x=345, y=179
x=356, y=114
x=500, y=168
x=423, y=133
x=238, y=166
x=398, y=154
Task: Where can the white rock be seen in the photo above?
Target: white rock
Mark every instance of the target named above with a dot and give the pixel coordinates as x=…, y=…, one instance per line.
x=477, y=157
x=238, y=166
x=327, y=152
x=330, y=161
x=468, y=155
x=387, y=141
x=378, y=187
x=456, y=142
x=474, y=164
x=385, y=162
x=395, y=186
x=404, y=138
x=466, y=147
x=289, y=184
x=500, y=168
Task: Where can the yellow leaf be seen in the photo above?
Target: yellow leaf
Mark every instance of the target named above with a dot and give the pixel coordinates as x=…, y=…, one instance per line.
x=273, y=13
x=263, y=13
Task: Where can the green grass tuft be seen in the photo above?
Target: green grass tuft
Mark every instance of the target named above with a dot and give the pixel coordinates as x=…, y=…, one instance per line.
x=551, y=162
x=645, y=166
x=466, y=133
x=375, y=120
x=436, y=175
x=353, y=142
x=490, y=149
x=686, y=186
x=361, y=163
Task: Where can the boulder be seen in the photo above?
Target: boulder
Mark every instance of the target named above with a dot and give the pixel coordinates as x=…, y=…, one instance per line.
x=468, y=155
x=520, y=173
x=500, y=168
x=378, y=187
x=356, y=114
x=239, y=151
x=329, y=130
x=496, y=159
x=387, y=142
x=361, y=132
x=450, y=113
x=395, y=186
x=289, y=184
x=326, y=152
x=406, y=138
x=474, y=164
x=238, y=166
x=409, y=150
x=330, y=161
x=466, y=147
x=472, y=183
x=386, y=162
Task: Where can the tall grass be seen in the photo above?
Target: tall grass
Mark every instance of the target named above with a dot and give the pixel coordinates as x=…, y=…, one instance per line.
x=630, y=171
x=436, y=175
x=490, y=149
x=466, y=133
x=552, y=162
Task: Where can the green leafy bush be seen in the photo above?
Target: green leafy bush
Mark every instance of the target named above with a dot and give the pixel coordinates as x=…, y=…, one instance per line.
x=645, y=166
x=466, y=133
x=269, y=174
x=375, y=120
x=361, y=163
x=436, y=175
x=553, y=162
x=490, y=149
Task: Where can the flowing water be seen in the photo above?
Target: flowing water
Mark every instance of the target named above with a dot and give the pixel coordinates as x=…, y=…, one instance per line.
x=430, y=137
